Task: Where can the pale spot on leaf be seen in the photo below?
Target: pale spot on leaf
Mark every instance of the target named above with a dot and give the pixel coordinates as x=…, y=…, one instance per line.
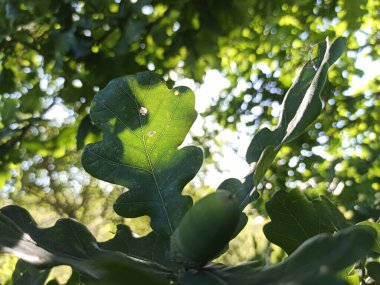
x=151, y=133
x=176, y=93
x=143, y=111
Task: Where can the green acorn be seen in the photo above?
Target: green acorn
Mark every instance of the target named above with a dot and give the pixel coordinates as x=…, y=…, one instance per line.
x=205, y=230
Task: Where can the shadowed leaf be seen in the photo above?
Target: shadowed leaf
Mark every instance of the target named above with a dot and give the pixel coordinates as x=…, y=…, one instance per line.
x=120, y=271
x=66, y=243
x=316, y=261
x=295, y=219
x=26, y=274
x=151, y=247
x=376, y=227
x=373, y=269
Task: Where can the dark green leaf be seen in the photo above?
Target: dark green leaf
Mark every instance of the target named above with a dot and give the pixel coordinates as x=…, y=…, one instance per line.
x=75, y=279
x=7, y=110
x=301, y=106
x=336, y=50
x=151, y=247
x=120, y=272
x=7, y=83
x=66, y=243
x=329, y=213
x=26, y=274
x=202, y=277
x=316, y=261
x=54, y=282
x=330, y=280
x=295, y=219
x=259, y=142
x=264, y=163
x=376, y=227
x=143, y=124
x=84, y=130
x=373, y=270
x=132, y=31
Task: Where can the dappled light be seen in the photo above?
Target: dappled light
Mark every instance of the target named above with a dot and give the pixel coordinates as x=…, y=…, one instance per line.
x=117, y=116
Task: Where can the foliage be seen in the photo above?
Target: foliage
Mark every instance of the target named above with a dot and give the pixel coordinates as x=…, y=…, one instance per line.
x=143, y=125
x=55, y=55
x=294, y=219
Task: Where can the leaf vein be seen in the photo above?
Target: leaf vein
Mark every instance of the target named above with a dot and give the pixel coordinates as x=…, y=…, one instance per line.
x=120, y=120
x=118, y=163
x=150, y=163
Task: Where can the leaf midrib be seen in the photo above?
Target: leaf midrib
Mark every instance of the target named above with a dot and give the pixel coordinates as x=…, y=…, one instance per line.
x=147, y=153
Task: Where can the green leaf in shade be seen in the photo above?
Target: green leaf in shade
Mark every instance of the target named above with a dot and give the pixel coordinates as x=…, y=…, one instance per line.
x=54, y=282
x=376, y=227
x=63, y=42
x=330, y=280
x=329, y=213
x=8, y=110
x=295, y=219
x=301, y=106
x=151, y=247
x=373, y=270
x=143, y=125
x=120, y=271
x=202, y=277
x=75, y=279
x=7, y=84
x=27, y=274
x=261, y=140
x=264, y=163
x=66, y=243
x=316, y=261
x=85, y=128
x=132, y=32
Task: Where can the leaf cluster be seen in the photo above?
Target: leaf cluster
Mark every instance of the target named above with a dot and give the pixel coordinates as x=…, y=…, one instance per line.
x=143, y=124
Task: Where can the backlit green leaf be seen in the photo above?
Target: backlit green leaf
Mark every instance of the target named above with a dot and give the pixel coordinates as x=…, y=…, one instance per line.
x=301, y=106
x=143, y=124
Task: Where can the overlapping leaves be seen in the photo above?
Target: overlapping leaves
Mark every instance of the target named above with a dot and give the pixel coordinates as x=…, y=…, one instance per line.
x=301, y=106
x=143, y=125
x=315, y=262
x=294, y=219
x=67, y=242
